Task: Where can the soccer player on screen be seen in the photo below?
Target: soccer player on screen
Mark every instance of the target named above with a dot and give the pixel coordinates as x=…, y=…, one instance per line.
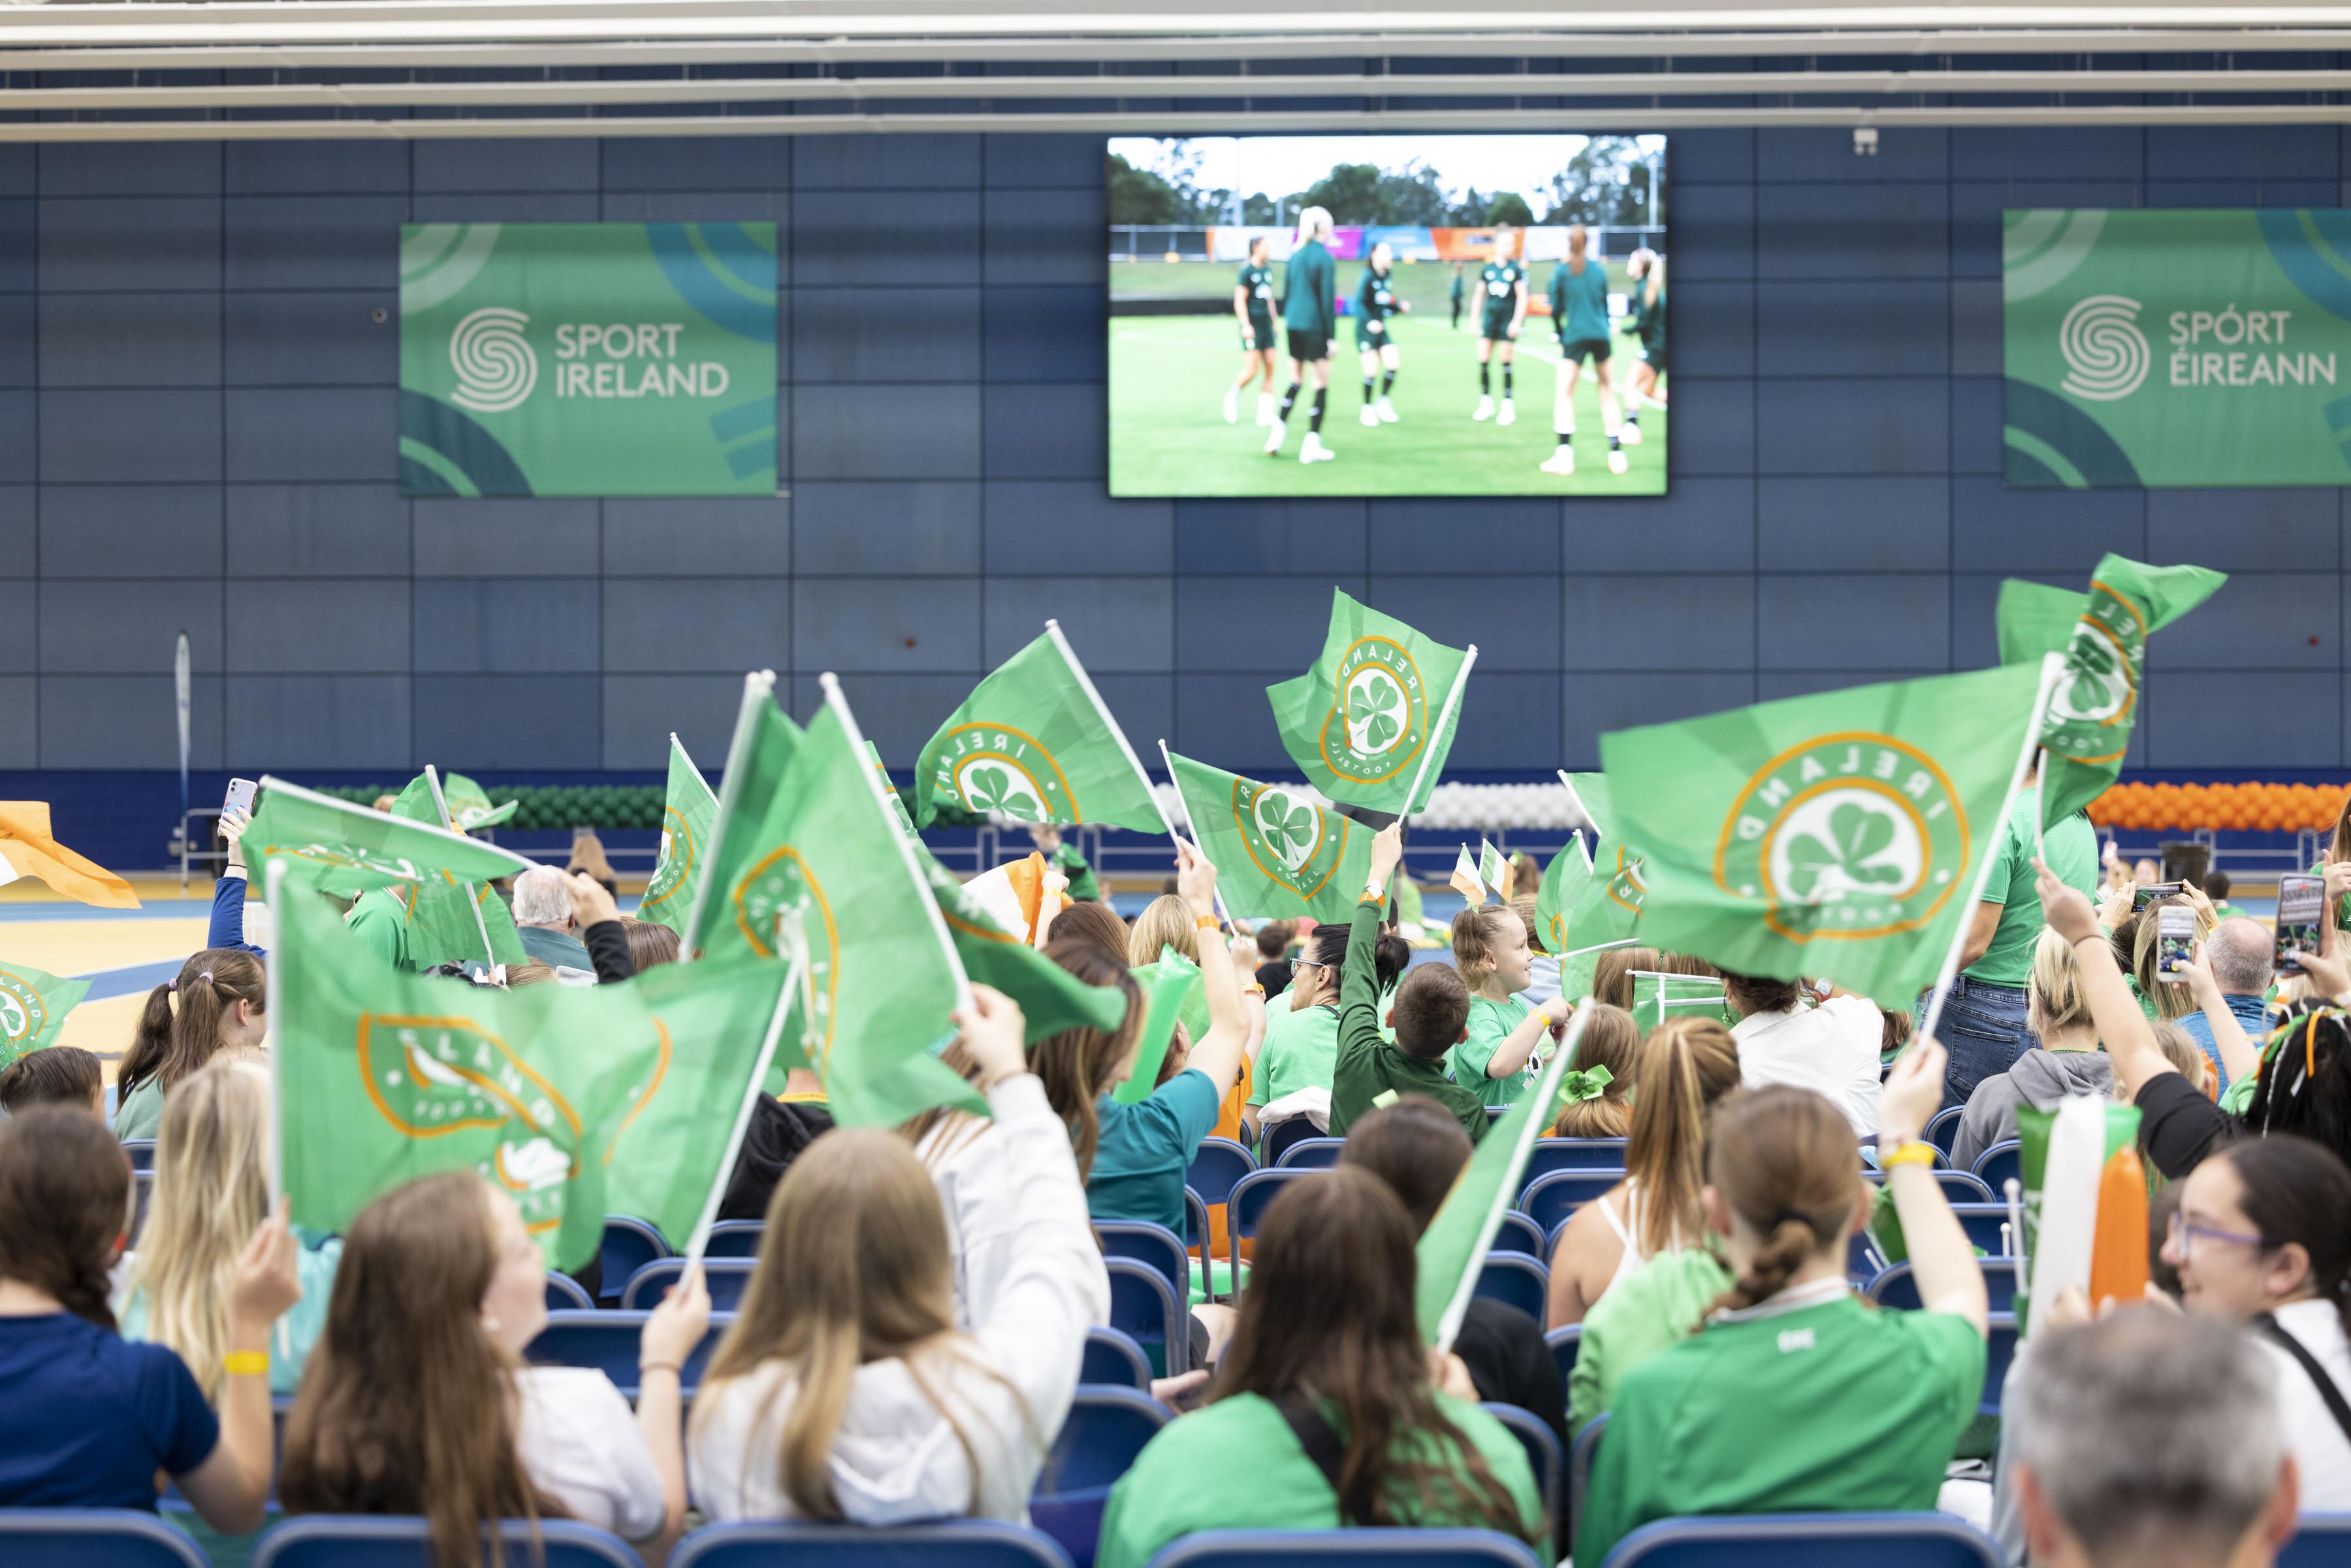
x=1376, y=302
x=1501, y=311
x=1579, y=308
x=1253, y=306
x=1647, y=269
x=1310, y=316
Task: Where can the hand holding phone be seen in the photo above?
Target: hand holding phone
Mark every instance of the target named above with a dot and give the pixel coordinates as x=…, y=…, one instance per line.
x=2142, y=897
x=2301, y=906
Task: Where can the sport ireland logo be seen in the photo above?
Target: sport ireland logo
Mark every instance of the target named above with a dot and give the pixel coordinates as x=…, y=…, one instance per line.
x=2090, y=711
x=496, y=367
x=1849, y=835
x=1378, y=720
x=2106, y=354
x=993, y=769
x=1289, y=837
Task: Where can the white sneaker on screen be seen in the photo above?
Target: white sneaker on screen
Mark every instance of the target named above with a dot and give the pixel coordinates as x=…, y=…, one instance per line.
x=1618, y=463
x=1313, y=451
x=1630, y=434
x=1367, y=416
x=1560, y=461
x=1510, y=414
x=1232, y=405
x=1274, y=431
x=1387, y=412
x=1485, y=409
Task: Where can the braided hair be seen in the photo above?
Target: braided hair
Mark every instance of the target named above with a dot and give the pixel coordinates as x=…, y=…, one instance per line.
x=64, y=1205
x=1784, y=1160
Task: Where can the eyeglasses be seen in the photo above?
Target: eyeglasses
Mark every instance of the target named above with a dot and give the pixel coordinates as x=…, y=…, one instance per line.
x=2181, y=1234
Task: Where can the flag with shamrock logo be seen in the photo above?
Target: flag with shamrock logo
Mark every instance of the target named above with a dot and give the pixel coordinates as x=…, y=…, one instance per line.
x=1277, y=852
x=762, y=746
x=33, y=1008
x=469, y=805
x=686, y=819
x=2033, y=618
x=2088, y=726
x=1372, y=722
x=1838, y=835
x=1036, y=743
x=343, y=848
x=1563, y=880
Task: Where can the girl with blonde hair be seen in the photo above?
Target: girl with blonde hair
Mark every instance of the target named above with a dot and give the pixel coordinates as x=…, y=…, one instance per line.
x=1594, y=1106
x=1490, y=948
x=1166, y=921
x=2066, y=1061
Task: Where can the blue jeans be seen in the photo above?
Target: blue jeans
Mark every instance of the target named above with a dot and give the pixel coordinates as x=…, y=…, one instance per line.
x=1983, y=1029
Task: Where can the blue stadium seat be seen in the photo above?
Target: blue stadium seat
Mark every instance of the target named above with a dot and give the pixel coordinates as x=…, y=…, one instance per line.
x=2000, y=1349
x=1550, y=1200
x=725, y=1278
x=142, y=1153
x=1996, y=1166
x=1145, y=1309
x=93, y=1538
x=1340, y=1548
x=1247, y=1202
x=1285, y=1137
x=1107, y=1427
x=1564, y=1343
x=402, y=1541
x=629, y=1245
x=1216, y=1166
x=607, y=1341
x=1311, y=1153
x=1155, y=1244
x=1862, y=1261
x=1897, y=1287
x=972, y=1543
x=1574, y=1155
x=735, y=1238
x=1959, y=1186
x=1543, y=1454
x=142, y=1183
x=2320, y=1541
x=1808, y=1540
x=1113, y=1358
x=1579, y=1461
x=1987, y=1226
x=1516, y=1280
x=565, y=1294
x=1943, y=1127
x=1197, y=1234
x=1520, y=1234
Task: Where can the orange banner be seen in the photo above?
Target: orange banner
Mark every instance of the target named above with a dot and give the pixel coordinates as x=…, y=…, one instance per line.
x=29, y=848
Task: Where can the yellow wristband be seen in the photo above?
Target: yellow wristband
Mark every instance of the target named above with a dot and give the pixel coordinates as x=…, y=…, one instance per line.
x=1910, y=1153
x=1543, y=1014
x=1204, y=921
x=245, y=1364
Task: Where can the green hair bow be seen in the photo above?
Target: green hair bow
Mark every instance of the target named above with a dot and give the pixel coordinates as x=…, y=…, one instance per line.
x=1586, y=1084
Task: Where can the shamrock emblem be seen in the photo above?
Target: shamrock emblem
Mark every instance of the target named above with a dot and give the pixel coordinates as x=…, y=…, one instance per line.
x=1288, y=827
x=2090, y=669
x=1371, y=714
x=15, y=1022
x=1856, y=835
x=995, y=790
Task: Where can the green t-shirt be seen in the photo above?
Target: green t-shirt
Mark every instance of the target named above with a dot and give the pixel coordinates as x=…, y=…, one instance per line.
x=1647, y=1313
x=141, y=1113
x=1309, y=296
x=1490, y=1023
x=380, y=920
x=1144, y=1150
x=2073, y=850
x=1832, y=1408
x=1237, y=1466
x=1300, y=1052
x=1579, y=300
x=1368, y=1066
x=1499, y=285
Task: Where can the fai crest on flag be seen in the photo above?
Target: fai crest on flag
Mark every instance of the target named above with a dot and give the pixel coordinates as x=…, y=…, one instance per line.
x=23, y=1014
x=436, y=1077
x=1289, y=838
x=1625, y=888
x=773, y=888
x=1851, y=835
x=678, y=851
x=2090, y=712
x=991, y=768
x=1378, y=720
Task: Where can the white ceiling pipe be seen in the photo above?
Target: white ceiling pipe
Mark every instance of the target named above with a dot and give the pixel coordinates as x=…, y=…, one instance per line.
x=753, y=90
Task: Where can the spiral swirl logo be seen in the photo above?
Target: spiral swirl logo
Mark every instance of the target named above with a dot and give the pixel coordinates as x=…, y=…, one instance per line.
x=496, y=366
x=2105, y=353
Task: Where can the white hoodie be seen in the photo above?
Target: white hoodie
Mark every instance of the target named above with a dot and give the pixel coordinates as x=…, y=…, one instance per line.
x=896, y=1460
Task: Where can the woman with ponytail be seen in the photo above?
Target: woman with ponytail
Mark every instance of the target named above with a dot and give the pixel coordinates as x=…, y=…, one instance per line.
x=217, y=1001
x=86, y=1419
x=1796, y=1397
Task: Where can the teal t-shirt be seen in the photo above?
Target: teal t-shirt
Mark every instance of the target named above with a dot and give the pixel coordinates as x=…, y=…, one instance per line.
x=1145, y=1149
x=1579, y=300
x=1309, y=298
x=292, y=1336
x=1300, y=1052
x=2073, y=850
x=140, y=1114
x=1490, y=1023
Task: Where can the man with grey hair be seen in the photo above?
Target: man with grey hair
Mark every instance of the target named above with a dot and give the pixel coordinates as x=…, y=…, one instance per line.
x=2150, y=1439
x=2239, y=953
x=542, y=917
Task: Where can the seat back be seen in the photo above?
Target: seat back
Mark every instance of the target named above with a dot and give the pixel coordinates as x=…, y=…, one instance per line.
x=2000, y=1349
x=1574, y=1155
x=1216, y=1166
x=629, y=1245
x=1340, y=1548
x=1143, y=1308
x=565, y=1294
x=1113, y=1358
x=1106, y=1428
x=608, y=1340
x=968, y=1543
x=1520, y=1234
x=404, y=1541
x=1543, y=1454
x=1809, y=1541
x=1987, y=1226
x=1996, y=1166
x=141, y=1152
x=1579, y=1461
x=1960, y=1186
x=1197, y=1233
x=1897, y=1287
x=1549, y=1200
x=1862, y=1261
x=1154, y=1245
x=2320, y=1541
x=93, y=1538
x=1943, y=1127
x=143, y=1191
x=725, y=1278
x=1250, y=1196
x=1286, y=1135
x=735, y=1238
x=1311, y=1153
x=1564, y=1343
x=1516, y=1280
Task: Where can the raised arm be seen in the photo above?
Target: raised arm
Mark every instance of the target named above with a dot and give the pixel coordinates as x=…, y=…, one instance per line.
x=1217, y=1053
x=671, y=1333
x=2123, y=1030
x=1944, y=1263
x=2239, y=1055
x=230, y=1486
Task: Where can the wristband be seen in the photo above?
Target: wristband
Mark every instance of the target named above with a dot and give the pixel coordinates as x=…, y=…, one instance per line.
x=644, y=1367
x=1542, y=1015
x=245, y=1364
x=1253, y=989
x=1910, y=1153
x=1204, y=922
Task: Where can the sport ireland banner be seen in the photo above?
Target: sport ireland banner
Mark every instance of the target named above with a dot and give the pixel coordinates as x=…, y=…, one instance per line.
x=588, y=358
x=1276, y=853
x=33, y=1008
x=1837, y=835
x=1370, y=725
x=687, y=817
x=2206, y=347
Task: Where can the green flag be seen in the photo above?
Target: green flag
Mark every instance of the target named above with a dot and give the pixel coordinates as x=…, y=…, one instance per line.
x=1606, y=911
x=1837, y=835
x=686, y=835
x=1171, y=988
x=2088, y=726
x=1276, y=851
x=2035, y=619
x=890, y=796
x=1371, y=723
x=1563, y=880
x=469, y=805
x=33, y=1008
x=1453, y=1247
x=1034, y=742
x=384, y=1077
x=1656, y=998
x=1051, y=998
x=762, y=746
x=344, y=849
x=882, y=966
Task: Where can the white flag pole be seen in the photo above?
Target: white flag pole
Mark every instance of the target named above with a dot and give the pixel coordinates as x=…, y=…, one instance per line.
x=1189, y=822
x=2051, y=666
x=1577, y=801
x=898, y=840
x=1102, y=711
x=1428, y=752
x=759, y=686
x=2040, y=812
x=473, y=898
x=274, y=878
x=793, y=974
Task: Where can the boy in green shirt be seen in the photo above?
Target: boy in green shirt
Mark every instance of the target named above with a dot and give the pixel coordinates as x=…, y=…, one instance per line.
x=1432, y=1007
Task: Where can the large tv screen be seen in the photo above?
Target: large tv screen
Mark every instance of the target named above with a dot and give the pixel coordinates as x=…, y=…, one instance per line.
x=1387, y=315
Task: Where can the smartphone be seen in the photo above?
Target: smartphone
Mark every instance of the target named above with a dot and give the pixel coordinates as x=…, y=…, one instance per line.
x=2174, y=941
x=2301, y=906
x=2155, y=889
x=240, y=797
